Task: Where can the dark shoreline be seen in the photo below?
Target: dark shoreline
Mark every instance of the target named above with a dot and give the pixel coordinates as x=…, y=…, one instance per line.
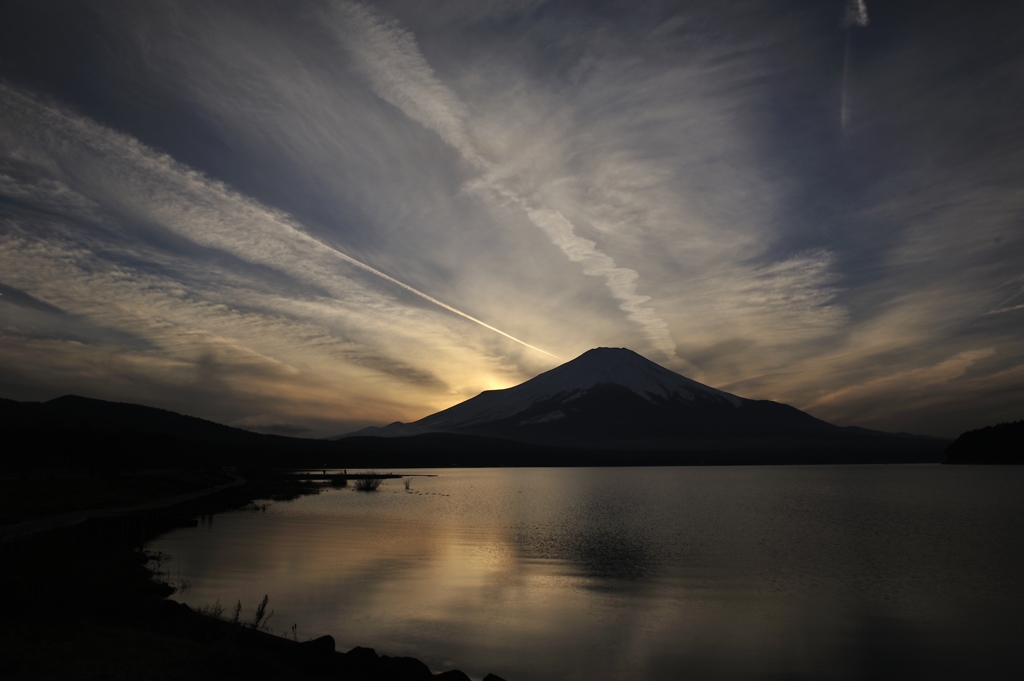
x=82, y=601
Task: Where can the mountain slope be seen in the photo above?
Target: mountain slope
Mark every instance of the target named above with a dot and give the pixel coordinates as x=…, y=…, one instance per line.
x=613, y=397
x=81, y=433
x=75, y=412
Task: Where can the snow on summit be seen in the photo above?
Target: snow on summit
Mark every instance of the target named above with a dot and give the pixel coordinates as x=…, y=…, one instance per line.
x=626, y=368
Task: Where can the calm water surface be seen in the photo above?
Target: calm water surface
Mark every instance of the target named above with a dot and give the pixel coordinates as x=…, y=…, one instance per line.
x=838, y=572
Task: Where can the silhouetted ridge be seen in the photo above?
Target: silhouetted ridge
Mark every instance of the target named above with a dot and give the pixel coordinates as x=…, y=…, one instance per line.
x=81, y=433
x=1002, y=443
x=76, y=411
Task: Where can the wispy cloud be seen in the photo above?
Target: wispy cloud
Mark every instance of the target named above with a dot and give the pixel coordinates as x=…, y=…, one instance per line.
x=917, y=381
x=921, y=396
x=856, y=13
x=1006, y=309
x=267, y=199
x=123, y=284
x=390, y=58
x=206, y=211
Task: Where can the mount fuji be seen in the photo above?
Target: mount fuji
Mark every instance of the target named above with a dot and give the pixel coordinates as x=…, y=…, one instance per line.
x=613, y=398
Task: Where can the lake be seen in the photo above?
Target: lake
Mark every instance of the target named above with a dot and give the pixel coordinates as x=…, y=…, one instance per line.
x=824, y=572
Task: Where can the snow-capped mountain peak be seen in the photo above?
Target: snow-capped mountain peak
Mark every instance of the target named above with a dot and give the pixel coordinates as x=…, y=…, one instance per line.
x=598, y=367
x=623, y=367
x=612, y=399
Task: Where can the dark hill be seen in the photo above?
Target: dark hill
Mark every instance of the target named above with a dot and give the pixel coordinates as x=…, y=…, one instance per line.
x=1001, y=444
x=72, y=412
x=80, y=433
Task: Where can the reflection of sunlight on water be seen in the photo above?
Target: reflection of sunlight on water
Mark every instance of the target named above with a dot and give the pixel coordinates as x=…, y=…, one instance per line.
x=638, y=574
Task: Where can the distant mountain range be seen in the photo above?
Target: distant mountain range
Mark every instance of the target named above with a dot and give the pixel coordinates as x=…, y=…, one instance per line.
x=613, y=398
x=610, y=406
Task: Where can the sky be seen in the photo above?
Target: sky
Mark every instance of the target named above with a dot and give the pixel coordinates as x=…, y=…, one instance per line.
x=311, y=216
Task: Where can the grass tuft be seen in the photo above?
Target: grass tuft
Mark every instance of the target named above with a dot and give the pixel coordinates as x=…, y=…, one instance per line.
x=368, y=484
x=215, y=610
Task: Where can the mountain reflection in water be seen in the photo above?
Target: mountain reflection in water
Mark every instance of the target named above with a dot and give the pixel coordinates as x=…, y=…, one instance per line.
x=841, y=572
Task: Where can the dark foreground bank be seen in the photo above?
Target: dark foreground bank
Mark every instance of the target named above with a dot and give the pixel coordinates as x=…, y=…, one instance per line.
x=81, y=602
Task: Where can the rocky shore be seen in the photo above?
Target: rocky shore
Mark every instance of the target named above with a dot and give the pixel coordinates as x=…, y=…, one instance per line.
x=316, y=658
x=81, y=601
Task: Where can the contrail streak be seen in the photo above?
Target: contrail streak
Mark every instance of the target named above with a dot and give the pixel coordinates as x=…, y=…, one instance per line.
x=196, y=190
x=363, y=266
x=856, y=15
x=398, y=73
x=843, y=113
